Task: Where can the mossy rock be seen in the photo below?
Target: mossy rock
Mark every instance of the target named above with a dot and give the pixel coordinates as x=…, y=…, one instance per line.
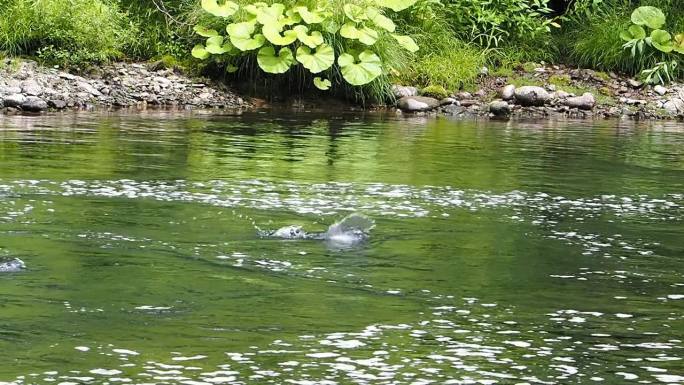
x=560, y=80
x=437, y=92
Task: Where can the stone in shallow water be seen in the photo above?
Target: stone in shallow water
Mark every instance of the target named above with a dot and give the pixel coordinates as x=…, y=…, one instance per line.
x=14, y=100
x=34, y=104
x=584, y=102
x=531, y=96
x=417, y=103
x=499, y=108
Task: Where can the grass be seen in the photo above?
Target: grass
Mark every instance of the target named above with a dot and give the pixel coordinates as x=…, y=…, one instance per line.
x=64, y=31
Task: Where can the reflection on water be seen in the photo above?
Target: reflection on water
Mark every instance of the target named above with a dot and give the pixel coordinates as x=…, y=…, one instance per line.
x=503, y=253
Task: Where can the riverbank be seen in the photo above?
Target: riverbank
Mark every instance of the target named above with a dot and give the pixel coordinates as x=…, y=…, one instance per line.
x=550, y=91
x=525, y=92
x=26, y=86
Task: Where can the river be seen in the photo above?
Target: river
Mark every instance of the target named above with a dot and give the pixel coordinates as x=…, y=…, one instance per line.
x=503, y=253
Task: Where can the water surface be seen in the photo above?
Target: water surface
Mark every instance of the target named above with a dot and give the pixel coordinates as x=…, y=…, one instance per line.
x=504, y=253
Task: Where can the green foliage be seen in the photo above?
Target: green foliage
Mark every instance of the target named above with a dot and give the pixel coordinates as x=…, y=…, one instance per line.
x=350, y=39
x=64, y=31
x=660, y=42
x=495, y=23
x=437, y=92
x=560, y=80
x=590, y=39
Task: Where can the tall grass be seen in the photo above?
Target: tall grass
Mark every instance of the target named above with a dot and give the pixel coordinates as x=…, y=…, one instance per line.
x=64, y=31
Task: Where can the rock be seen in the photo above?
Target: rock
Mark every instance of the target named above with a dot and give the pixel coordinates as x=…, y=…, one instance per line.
x=31, y=88
x=531, y=96
x=404, y=91
x=57, y=104
x=453, y=110
x=10, y=90
x=14, y=100
x=34, y=104
x=674, y=106
x=584, y=102
x=660, y=90
x=551, y=87
x=469, y=102
x=484, y=71
x=481, y=93
x=508, y=92
x=560, y=94
x=447, y=101
x=634, y=83
x=417, y=103
x=499, y=108
x=87, y=87
x=464, y=95
x=162, y=81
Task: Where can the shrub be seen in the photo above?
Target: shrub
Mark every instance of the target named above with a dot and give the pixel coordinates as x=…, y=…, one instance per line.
x=63, y=31
x=496, y=23
x=348, y=43
x=165, y=27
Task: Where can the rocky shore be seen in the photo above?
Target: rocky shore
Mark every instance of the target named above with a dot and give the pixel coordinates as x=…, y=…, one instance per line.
x=526, y=92
x=549, y=92
x=27, y=87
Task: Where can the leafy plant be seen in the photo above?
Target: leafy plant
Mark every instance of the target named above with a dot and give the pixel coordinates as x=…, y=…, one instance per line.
x=320, y=38
x=66, y=32
x=637, y=40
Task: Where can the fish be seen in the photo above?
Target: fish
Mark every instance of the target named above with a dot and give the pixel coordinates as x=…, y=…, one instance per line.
x=351, y=230
x=12, y=265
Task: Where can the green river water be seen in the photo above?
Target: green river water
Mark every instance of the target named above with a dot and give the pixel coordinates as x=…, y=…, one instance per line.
x=503, y=253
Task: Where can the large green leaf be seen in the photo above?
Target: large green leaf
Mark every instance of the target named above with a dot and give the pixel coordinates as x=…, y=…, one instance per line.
x=310, y=17
x=380, y=20
x=364, y=34
x=634, y=32
x=271, y=14
x=272, y=63
x=651, y=17
x=204, y=31
x=365, y=70
x=678, y=44
x=241, y=36
x=226, y=9
x=272, y=32
x=313, y=40
x=662, y=40
x=407, y=42
x=217, y=46
x=200, y=52
x=322, y=84
x=396, y=5
x=320, y=61
x=253, y=9
x=355, y=13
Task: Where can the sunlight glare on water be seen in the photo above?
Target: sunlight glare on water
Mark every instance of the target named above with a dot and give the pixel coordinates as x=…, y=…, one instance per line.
x=503, y=253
